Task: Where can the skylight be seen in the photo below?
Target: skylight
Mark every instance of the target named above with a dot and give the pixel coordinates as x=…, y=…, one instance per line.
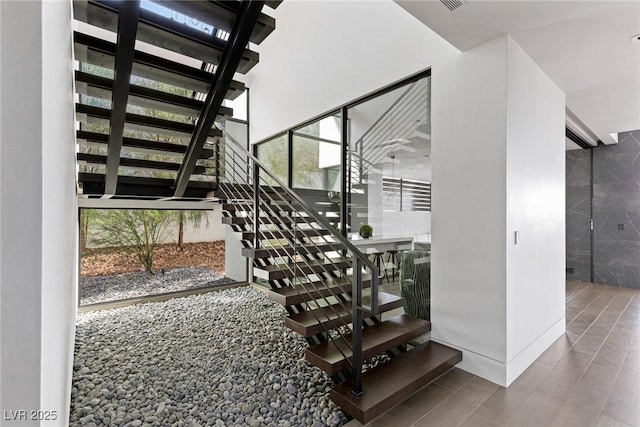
x=221, y=34
x=179, y=17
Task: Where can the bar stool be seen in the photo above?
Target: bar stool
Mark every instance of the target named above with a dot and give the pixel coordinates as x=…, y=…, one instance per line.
x=378, y=260
x=394, y=258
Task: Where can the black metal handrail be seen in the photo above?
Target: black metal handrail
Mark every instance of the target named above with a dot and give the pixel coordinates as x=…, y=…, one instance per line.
x=288, y=266
x=360, y=260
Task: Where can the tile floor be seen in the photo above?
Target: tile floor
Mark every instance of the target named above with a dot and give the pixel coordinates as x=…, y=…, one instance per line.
x=588, y=377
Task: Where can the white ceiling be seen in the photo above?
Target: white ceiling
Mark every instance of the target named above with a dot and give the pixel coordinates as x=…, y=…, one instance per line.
x=584, y=47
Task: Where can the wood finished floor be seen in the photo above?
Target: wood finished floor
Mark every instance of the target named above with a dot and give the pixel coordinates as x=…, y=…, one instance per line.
x=589, y=377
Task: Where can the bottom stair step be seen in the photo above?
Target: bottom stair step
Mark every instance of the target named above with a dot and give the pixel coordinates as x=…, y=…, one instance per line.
x=330, y=356
x=393, y=382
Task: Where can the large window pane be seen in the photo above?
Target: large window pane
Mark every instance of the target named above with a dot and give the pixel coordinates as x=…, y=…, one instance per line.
x=274, y=155
x=390, y=162
x=317, y=155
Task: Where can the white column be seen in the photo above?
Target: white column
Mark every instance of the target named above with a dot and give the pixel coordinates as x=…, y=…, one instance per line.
x=37, y=211
x=498, y=168
x=59, y=211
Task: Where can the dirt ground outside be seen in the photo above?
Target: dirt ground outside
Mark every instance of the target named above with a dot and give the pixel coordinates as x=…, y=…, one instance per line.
x=105, y=261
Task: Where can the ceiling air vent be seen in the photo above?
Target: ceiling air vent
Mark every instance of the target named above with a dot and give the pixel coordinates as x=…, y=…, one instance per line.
x=453, y=4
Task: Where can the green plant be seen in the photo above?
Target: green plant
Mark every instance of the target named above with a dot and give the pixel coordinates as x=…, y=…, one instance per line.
x=138, y=230
x=366, y=231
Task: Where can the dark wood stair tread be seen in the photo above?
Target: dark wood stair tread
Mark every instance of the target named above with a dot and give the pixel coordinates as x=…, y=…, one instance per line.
x=247, y=206
x=290, y=295
x=272, y=219
x=376, y=339
x=266, y=206
x=392, y=382
x=286, y=234
x=306, y=323
x=271, y=252
x=298, y=269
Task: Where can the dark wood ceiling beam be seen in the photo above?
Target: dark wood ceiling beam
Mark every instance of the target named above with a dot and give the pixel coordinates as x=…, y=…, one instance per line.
x=125, y=47
x=142, y=144
x=242, y=29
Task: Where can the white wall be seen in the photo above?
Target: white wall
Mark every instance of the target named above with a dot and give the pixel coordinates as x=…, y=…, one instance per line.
x=59, y=211
x=214, y=231
x=235, y=265
x=1, y=318
x=192, y=234
x=536, y=209
x=326, y=53
x=37, y=209
x=20, y=195
x=406, y=223
x=468, y=276
x=497, y=162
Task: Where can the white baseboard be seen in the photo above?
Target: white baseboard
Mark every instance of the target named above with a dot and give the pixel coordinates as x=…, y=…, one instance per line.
x=505, y=373
x=526, y=357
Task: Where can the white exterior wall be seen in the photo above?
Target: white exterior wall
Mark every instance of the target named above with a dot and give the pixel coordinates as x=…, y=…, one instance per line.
x=211, y=233
x=503, y=171
x=37, y=209
x=326, y=53
x=536, y=209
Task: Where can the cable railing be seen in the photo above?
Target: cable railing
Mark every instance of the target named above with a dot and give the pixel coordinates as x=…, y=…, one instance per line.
x=301, y=252
x=398, y=119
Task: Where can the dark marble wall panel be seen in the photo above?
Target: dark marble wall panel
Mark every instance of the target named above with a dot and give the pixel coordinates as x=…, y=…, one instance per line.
x=616, y=212
x=578, y=171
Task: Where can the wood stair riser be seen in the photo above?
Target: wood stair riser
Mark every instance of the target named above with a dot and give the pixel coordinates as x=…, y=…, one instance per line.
x=375, y=340
x=287, y=295
x=312, y=322
x=289, y=271
x=392, y=382
x=263, y=253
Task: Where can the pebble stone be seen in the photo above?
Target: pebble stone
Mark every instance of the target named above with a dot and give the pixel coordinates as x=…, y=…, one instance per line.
x=96, y=289
x=221, y=358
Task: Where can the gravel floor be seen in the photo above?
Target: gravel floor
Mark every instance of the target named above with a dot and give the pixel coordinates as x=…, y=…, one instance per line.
x=95, y=289
x=222, y=358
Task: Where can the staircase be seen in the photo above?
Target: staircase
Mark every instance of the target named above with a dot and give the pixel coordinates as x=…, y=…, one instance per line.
x=327, y=286
x=150, y=89
x=147, y=103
